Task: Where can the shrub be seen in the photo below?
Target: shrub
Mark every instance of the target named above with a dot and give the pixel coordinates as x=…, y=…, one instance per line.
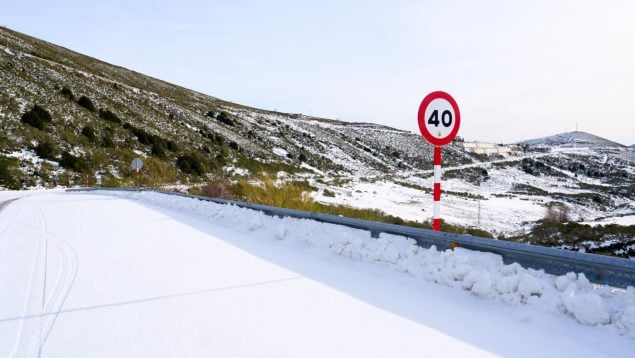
x=32, y=119
x=158, y=151
x=89, y=133
x=172, y=146
x=43, y=113
x=109, y=116
x=7, y=178
x=107, y=142
x=328, y=193
x=211, y=114
x=190, y=164
x=159, y=145
x=219, y=139
x=557, y=213
x=72, y=162
x=37, y=117
x=45, y=150
x=66, y=92
x=86, y=103
x=224, y=118
x=302, y=157
x=233, y=145
x=220, y=188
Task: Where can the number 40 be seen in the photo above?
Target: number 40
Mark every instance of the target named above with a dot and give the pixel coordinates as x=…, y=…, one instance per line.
x=446, y=118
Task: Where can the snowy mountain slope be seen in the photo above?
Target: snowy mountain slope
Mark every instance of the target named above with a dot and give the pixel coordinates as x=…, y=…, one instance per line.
x=187, y=138
x=36, y=72
x=155, y=275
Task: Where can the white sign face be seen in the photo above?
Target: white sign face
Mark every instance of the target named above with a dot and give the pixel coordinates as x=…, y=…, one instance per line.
x=440, y=118
x=136, y=164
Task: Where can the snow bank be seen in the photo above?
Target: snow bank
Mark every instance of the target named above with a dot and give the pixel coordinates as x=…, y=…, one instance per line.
x=482, y=274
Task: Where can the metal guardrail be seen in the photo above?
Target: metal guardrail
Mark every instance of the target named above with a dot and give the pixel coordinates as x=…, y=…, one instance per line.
x=599, y=269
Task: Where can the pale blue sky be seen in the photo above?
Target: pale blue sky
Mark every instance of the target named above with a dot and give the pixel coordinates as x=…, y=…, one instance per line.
x=518, y=70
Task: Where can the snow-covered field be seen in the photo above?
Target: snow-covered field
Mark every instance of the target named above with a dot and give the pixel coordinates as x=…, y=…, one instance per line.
x=493, y=205
x=145, y=274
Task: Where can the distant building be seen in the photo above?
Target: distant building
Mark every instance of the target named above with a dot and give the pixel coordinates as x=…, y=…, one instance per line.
x=489, y=148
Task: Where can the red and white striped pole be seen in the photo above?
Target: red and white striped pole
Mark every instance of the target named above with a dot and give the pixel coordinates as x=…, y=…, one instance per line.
x=439, y=121
x=436, y=221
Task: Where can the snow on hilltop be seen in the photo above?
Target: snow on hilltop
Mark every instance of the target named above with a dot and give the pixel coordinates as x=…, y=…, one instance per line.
x=570, y=139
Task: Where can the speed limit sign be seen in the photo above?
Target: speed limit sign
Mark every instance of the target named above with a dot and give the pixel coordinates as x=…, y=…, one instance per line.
x=439, y=118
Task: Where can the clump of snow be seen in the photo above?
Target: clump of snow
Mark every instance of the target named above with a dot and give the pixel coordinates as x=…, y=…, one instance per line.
x=236, y=171
x=626, y=321
x=279, y=151
x=587, y=308
x=482, y=274
x=530, y=286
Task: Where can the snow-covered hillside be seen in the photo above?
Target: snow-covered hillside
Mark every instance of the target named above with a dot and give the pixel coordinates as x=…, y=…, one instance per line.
x=144, y=274
x=187, y=139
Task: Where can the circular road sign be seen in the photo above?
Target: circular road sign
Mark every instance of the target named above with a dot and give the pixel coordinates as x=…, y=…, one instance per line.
x=136, y=164
x=439, y=118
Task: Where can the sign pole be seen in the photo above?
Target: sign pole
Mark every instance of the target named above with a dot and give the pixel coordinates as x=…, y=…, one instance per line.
x=436, y=221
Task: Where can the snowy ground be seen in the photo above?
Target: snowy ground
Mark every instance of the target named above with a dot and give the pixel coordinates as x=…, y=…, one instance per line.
x=145, y=274
x=492, y=206
x=500, y=215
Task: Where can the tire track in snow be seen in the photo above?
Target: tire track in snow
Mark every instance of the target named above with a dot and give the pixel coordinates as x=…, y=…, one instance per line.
x=34, y=332
x=29, y=329
x=6, y=220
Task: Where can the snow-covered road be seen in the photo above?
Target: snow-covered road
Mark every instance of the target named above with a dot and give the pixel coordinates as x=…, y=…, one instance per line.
x=84, y=275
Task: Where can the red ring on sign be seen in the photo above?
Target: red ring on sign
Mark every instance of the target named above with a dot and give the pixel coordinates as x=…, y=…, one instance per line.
x=421, y=118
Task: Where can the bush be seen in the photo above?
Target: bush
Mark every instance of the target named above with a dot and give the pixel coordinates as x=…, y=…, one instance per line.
x=43, y=113
x=72, y=162
x=45, y=150
x=233, y=145
x=220, y=188
x=159, y=145
x=328, y=193
x=86, y=103
x=37, y=117
x=109, y=116
x=158, y=151
x=302, y=157
x=32, y=119
x=190, y=164
x=66, y=92
x=7, y=178
x=224, y=118
x=89, y=133
x=172, y=146
x=107, y=142
x=557, y=213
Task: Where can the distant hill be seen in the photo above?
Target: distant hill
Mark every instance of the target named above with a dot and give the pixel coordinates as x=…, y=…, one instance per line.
x=571, y=139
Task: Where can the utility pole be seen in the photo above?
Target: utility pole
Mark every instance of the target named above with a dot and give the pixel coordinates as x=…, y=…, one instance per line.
x=478, y=220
